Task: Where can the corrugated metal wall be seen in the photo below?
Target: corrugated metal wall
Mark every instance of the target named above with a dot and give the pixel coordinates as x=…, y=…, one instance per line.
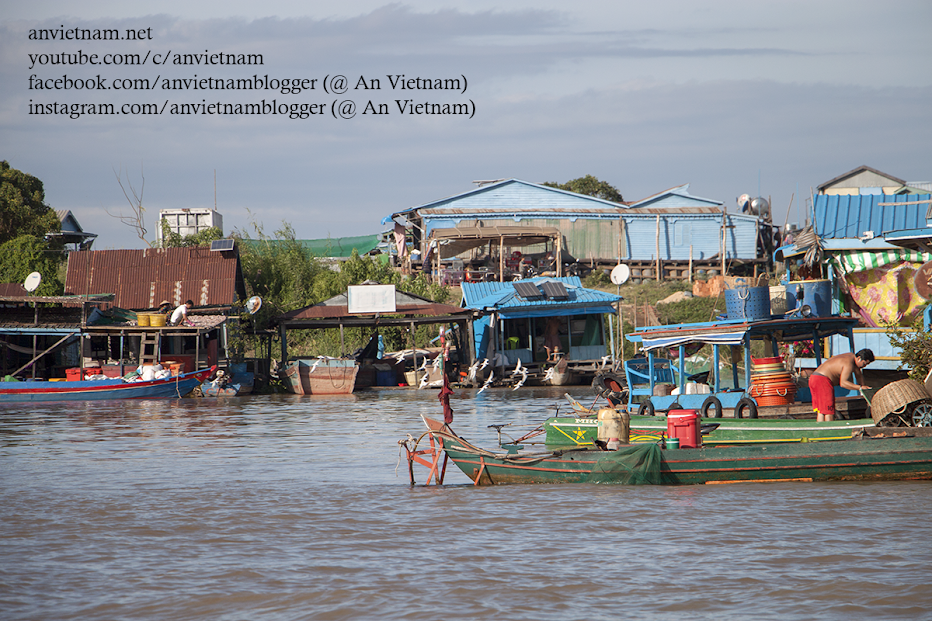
x=679, y=232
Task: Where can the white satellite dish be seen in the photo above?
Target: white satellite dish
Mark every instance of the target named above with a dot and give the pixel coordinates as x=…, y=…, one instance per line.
x=32, y=282
x=620, y=274
x=253, y=304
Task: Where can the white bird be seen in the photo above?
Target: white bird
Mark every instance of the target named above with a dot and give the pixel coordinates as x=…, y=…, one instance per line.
x=549, y=374
x=423, y=366
x=437, y=360
x=485, y=363
x=424, y=381
x=518, y=368
x=487, y=383
x=314, y=366
x=523, y=379
x=471, y=372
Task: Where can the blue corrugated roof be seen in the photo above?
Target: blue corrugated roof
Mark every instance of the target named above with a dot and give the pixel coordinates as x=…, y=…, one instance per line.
x=849, y=217
x=502, y=295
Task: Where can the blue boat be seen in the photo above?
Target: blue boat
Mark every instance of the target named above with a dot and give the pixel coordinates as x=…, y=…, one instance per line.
x=103, y=390
x=644, y=373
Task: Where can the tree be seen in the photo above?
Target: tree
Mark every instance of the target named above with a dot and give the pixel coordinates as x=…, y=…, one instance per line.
x=590, y=186
x=25, y=221
x=25, y=254
x=22, y=206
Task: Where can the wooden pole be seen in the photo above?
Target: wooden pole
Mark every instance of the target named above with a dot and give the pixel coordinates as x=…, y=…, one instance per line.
x=723, y=241
x=559, y=255
x=658, y=247
x=501, y=259
x=690, y=264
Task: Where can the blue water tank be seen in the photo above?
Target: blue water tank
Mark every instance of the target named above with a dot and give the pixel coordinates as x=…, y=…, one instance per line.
x=817, y=294
x=748, y=303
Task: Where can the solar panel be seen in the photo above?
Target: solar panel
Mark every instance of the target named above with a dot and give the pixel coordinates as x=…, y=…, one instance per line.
x=554, y=290
x=527, y=290
x=221, y=245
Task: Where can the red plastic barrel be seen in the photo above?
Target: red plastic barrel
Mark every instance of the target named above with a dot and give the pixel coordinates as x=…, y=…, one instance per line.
x=684, y=424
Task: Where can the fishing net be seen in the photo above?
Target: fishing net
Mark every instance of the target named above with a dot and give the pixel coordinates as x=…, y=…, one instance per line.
x=638, y=464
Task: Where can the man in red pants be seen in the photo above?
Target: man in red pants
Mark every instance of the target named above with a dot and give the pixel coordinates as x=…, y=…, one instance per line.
x=836, y=371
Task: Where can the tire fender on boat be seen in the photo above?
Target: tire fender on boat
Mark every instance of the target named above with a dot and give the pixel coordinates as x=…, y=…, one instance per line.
x=711, y=402
x=746, y=403
x=646, y=409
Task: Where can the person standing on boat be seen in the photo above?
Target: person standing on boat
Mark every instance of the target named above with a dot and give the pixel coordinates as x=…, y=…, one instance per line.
x=836, y=371
x=180, y=315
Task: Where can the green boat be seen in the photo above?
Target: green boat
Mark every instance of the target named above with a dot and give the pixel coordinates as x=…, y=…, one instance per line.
x=880, y=454
x=581, y=431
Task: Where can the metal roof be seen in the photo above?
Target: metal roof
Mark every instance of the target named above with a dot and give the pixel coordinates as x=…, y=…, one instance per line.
x=503, y=295
x=852, y=216
x=516, y=195
x=675, y=198
x=143, y=279
x=855, y=172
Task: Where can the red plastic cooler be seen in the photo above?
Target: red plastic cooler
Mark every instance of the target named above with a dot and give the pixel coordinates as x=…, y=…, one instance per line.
x=684, y=424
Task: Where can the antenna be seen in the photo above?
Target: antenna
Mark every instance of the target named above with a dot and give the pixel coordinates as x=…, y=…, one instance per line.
x=215, y=189
x=32, y=282
x=253, y=304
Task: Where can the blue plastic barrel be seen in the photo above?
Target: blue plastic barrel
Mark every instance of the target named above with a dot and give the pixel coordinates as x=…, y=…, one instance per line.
x=751, y=303
x=817, y=294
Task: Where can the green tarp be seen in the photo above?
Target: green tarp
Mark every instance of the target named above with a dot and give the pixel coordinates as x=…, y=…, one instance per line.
x=333, y=247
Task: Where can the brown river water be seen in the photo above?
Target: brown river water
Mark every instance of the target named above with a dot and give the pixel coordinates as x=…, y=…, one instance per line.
x=286, y=508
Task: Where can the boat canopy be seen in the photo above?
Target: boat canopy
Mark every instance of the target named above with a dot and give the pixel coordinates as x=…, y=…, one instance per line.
x=740, y=332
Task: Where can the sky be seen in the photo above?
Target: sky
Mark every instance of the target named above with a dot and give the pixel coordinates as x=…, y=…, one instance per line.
x=763, y=98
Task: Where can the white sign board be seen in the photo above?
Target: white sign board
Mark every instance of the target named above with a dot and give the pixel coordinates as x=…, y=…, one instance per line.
x=371, y=299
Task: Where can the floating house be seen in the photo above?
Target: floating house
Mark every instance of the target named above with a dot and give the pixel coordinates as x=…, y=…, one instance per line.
x=671, y=226
x=516, y=317
x=140, y=281
x=876, y=263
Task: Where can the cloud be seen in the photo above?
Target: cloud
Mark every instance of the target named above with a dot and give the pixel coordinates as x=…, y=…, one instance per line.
x=717, y=104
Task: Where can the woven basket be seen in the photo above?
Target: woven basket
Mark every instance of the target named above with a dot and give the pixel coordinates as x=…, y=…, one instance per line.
x=775, y=400
x=895, y=397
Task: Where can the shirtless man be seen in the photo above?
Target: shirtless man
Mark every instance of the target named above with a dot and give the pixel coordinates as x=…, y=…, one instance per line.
x=836, y=371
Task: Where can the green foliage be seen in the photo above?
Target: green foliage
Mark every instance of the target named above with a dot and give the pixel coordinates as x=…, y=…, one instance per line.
x=171, y=239
x=288, y=277
x=597, y=279
x=25, y=220
x=916, y=346
x=590, y=186
x=22, y=206
x=689, y=310
x=25, y=254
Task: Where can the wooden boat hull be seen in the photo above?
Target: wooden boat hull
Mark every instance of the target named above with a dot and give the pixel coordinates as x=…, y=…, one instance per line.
x=102, y=390
x=569, y=431
x=320, y=376
x=869, y=459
